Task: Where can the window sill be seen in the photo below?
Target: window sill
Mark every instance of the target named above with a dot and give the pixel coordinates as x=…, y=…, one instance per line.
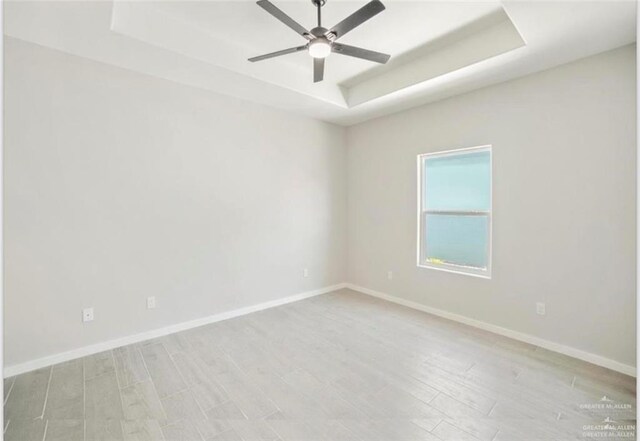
x=457, y=270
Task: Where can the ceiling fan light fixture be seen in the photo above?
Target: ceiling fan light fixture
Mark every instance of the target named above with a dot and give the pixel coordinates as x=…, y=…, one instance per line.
x=319, y=48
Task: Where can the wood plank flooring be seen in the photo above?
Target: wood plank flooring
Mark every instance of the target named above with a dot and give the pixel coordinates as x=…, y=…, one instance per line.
x=341, y=366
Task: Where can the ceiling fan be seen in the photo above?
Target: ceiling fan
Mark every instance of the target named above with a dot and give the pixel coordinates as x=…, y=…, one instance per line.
x=322, y=41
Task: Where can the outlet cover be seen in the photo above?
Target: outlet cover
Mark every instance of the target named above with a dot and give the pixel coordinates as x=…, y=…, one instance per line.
x=87, y=315
x=541, y=308
x=151, y=302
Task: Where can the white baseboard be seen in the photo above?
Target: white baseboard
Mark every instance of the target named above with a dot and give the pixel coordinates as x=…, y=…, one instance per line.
x=537, y=341
x=20, y=368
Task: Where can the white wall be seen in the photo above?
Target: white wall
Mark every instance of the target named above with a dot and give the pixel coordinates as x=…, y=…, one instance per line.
x=564, y=203
x=119, y=186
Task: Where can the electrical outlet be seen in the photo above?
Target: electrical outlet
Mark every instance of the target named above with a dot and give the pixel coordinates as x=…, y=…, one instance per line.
x=87, y=315
x=541, y=308
x=305, y=272
x=390, y=275
x=151, y=302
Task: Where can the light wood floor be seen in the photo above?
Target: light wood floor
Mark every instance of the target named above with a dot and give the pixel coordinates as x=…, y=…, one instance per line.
x=341, y=366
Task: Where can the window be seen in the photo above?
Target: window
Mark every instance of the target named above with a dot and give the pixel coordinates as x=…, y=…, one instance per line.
x=454, y=211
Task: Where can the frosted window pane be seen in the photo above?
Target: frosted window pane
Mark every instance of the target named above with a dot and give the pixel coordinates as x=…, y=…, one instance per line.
x=457, y=240
x=458, y=182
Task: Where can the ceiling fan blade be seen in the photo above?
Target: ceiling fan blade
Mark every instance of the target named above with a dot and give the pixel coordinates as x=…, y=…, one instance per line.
x=358, y=52
x=363, y=14
x=284, y=18
x=278, y=53
x=318, y=69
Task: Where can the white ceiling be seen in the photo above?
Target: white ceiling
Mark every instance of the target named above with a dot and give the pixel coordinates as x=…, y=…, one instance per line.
x=438, y=49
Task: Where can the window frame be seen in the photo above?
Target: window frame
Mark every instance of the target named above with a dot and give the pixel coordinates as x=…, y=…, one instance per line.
x=422, y=212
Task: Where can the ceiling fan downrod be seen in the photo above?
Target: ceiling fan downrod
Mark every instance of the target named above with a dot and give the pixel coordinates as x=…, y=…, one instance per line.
x=319, y=4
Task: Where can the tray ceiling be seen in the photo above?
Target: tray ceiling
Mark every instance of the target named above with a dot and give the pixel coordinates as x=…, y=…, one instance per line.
x=438, y=49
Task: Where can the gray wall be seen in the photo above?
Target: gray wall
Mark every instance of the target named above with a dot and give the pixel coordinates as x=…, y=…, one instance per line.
x=119, y=186
x=564, y=151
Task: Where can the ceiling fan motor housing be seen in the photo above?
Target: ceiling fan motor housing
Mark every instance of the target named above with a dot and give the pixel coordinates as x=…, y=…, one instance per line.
x=318, y=31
